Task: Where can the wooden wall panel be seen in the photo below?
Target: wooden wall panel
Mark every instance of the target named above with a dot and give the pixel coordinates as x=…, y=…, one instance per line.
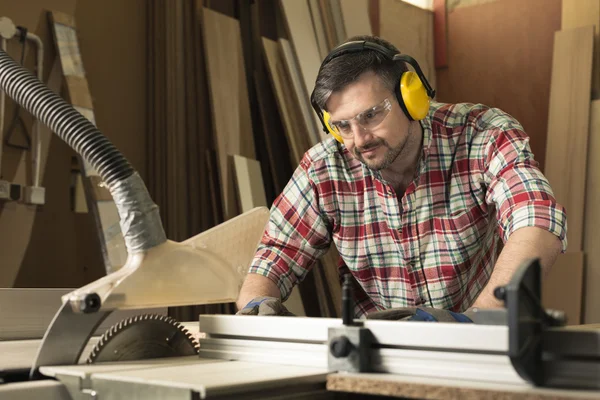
x=568, y=124
x=484, y=65
x=410, y=29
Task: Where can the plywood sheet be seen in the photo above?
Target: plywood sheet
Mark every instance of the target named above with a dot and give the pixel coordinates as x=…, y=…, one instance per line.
x=250, y=184
x=568, y=124
x=410, y=29
x=355, y=14
x=577, y=13
x=229, y=99
x=513, y=78
x=592, y=221
x=338, y=20
x=309, y=116
x=252, y=194
x=317, y=21
x=304, y=43
x=294, y=129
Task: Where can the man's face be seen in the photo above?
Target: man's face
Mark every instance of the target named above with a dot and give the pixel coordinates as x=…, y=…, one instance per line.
x=378, y=147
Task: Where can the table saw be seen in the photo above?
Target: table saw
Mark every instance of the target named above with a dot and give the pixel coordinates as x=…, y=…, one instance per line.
x=521, y=351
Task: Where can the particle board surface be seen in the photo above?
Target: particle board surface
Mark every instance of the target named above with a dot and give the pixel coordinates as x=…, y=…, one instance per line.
x=412, y=387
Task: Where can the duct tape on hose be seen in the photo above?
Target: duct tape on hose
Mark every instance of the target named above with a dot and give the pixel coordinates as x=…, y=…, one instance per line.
x=140, y=219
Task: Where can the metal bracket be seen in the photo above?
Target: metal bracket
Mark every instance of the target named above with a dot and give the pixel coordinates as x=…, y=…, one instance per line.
x=527, y=321
x=350, y=344
x=350, y=349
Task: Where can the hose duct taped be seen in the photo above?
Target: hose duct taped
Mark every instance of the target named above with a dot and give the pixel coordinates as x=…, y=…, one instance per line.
x=140, y=219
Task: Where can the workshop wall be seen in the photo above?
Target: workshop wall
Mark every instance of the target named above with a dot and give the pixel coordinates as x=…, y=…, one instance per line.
x=52, y=246
x=485, y=65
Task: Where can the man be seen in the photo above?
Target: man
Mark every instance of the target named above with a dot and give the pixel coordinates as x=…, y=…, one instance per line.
x=415, y=194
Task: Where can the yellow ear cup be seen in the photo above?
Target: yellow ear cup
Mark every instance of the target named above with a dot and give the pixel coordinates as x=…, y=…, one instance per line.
x=326, y=118
x=414, y=95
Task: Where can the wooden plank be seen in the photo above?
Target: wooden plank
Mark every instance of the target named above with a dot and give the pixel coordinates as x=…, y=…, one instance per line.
x=338, y=20
x=63, y=18
x=578, y=13
x=297, y=15
x=317, y=20
x=355, y=14
x=251, y=195
x=229, y=99
x=592, y=220
x=328, y=24
x=294, y=129
x=562, y=287
x=410, y=29
x=568, y=124
x=79, y=91
x=250, y=186
x=105, y=213
x=299, y=92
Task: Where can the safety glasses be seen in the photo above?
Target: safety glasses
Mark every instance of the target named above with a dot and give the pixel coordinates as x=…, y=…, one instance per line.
x=368, y=120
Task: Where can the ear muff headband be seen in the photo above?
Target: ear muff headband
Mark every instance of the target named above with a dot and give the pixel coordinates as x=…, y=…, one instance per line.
x=413, y=91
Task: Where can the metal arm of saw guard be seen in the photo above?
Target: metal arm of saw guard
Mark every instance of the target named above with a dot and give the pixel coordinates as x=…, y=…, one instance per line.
x=158, y=272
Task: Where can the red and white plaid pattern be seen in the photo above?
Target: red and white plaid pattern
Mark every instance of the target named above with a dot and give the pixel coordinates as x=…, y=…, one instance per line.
x=477, y=183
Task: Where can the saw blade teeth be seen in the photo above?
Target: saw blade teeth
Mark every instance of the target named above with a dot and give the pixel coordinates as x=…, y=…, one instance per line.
x=116, y=329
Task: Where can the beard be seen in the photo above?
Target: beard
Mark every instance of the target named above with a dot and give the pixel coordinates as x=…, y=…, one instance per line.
x=389, y=157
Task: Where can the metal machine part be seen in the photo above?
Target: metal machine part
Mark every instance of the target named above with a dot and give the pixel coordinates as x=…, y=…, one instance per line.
x=157, y=269
x=142, y=337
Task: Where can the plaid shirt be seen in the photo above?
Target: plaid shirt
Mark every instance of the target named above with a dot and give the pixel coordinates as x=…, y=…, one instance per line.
x=477, y=182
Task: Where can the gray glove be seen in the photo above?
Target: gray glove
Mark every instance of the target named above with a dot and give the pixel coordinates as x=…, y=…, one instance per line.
x=265, y=305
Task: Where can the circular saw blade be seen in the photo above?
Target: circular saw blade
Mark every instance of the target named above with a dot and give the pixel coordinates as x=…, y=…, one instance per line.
x=144, y=337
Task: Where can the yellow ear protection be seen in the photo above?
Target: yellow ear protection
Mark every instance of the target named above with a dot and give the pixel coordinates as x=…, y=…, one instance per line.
x=413, y=92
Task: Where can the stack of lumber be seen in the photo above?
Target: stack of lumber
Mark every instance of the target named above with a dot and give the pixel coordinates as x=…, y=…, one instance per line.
x=230, y=85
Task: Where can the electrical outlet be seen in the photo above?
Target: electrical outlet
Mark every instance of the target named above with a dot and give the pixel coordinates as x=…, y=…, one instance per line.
x=9, y=191
x=35, y=195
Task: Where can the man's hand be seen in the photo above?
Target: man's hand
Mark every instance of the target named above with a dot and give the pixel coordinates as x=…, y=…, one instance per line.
x=524, y=244
x=265, y=305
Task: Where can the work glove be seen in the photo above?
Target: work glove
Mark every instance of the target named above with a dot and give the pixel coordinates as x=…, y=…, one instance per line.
x=265, y=305
x=425, y=314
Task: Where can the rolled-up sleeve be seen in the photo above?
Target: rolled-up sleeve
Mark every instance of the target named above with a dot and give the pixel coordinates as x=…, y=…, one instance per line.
x=296, y=234
x=518, y=189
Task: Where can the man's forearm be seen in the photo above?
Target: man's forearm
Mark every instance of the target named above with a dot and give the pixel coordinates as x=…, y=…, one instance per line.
x=524, y=244
x=254, y=286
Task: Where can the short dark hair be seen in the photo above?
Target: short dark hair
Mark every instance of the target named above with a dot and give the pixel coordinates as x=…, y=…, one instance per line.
x=345, y=69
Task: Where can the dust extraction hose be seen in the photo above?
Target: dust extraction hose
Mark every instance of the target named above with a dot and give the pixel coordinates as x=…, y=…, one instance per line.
x=140, y=221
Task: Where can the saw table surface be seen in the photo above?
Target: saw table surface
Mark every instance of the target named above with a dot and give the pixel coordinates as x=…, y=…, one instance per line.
x=183, y=377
